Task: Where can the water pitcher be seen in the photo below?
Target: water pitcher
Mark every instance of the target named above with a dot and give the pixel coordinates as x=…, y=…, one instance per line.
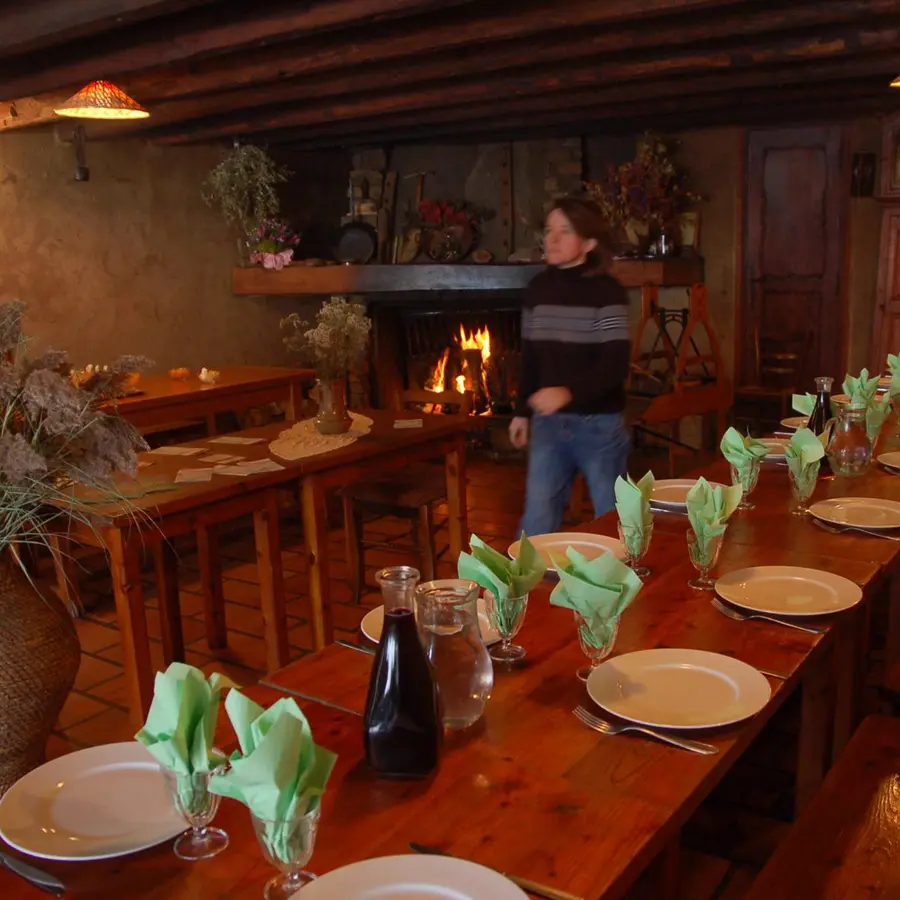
x=447, y=617
x=849, y=449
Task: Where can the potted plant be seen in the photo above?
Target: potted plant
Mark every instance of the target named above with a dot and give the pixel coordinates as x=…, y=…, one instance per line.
x=333, y=346
x=275, y=243
x=52, y=438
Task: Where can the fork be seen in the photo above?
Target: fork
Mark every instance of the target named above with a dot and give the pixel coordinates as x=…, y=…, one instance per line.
x=604, y=727
x=743, y=617
x=839, y=529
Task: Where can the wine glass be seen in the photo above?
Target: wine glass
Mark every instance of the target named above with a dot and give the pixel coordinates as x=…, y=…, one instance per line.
x=506, y=615
x=198, y=806
x=746, y=476
x=704, y=556
x=802, y=489
x=288, y=846
x=594, y=648
x=636, y=542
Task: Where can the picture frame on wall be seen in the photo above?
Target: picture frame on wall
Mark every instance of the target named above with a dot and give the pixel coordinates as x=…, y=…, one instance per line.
x=689, y=230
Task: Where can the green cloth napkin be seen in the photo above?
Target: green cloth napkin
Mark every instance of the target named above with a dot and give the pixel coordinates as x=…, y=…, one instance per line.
x=181, y=723
x=742, y=451
x=803, y=454
x=279, y=773
x=805, y=403
x=598, y=590
x=893, y=362
x=633, y=507
x=861, y=390
x=878, y=410
x=708, y=510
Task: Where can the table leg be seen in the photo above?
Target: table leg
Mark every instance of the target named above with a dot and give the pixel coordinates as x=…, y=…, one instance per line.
x=294, y=398
x=211, y=586
x=211, y=428
x=892, y=644
x=315, y=533
x=457, y=511
x=847, y=666
x=271, y=583
x=815, y=728
x=125, y=568
x=169, y=603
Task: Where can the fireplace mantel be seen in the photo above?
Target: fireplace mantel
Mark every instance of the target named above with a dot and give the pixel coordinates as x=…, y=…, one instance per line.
x=448, y=277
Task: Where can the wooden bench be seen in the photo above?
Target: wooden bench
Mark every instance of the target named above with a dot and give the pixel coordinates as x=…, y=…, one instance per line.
x=846, y=843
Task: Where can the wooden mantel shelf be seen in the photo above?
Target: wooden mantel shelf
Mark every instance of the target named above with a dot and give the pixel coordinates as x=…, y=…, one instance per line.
x=448, y=277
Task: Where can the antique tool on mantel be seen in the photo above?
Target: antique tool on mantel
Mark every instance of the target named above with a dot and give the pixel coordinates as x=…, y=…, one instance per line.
x=412, y=236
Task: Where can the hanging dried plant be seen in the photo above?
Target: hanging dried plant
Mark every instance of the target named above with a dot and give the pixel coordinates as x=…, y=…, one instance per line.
x=243, y=184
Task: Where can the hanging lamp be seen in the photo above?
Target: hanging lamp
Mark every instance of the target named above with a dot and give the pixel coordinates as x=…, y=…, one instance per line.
x=101, y=100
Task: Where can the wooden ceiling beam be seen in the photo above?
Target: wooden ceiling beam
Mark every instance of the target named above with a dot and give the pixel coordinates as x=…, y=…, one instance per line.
x=827, y=17
x=557, y=84
x=197, y=36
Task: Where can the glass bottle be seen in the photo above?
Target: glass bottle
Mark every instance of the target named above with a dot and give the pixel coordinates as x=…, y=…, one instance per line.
x=822, y=410
x=402, y=723
x=447, y=616
x=849, y=450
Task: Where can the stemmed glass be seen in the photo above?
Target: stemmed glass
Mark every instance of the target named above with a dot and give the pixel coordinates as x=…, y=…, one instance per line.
x=596, y=651
x=802, y=489
x=746, y=477
x=506, y=614
x=198, y=806
x=704, y=558
x=288, y=846
x=636, y=542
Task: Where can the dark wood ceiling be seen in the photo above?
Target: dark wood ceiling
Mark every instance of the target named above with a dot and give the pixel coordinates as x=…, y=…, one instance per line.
x=355, y=72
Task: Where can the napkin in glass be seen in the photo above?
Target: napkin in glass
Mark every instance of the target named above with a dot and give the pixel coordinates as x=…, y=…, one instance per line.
x=181, y=724
x=502, y=576
x=860, y=390
x=279, y=773
x=893, y=361
x=633, y=507
x=742, y=451
x=878, y=410
x=803, y=452
x=599, y=590
x=708, y=510
x=805, y=403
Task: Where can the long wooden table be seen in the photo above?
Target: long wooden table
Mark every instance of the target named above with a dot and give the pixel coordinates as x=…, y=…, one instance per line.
x=164, y=400
x=201, y=507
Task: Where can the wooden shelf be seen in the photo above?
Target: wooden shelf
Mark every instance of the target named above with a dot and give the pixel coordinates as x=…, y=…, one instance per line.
x=449, y=277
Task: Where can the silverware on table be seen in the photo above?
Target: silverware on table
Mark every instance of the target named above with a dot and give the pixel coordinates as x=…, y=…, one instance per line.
x=839, y=529
x=351, y=646
x=777, y=675
x=743, y=617
x=44, y=881
x=533, y=887
x=604, y=727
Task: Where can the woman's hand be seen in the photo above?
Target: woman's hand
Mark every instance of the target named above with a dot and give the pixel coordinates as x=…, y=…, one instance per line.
x=549, y=400
x=518, y=432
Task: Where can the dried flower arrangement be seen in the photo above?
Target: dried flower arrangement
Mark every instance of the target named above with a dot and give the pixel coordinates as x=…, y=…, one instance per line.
x=648, y=191
x=243, y=184
x=335, y=343
x=275, y=243
x=52, y=435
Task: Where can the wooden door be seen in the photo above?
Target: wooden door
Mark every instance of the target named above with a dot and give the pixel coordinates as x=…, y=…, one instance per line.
x=886, y=330
x=794, y=248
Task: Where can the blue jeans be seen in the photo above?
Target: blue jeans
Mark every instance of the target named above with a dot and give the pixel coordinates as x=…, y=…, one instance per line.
x=561, y=445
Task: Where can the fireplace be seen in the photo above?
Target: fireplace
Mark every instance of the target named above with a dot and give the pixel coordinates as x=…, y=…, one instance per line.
x=449, y=342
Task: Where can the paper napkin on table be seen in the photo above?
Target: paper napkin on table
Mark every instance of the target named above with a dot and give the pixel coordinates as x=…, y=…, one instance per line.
x=496, y=573
x=742, y=451
x=709, y=509
x=877, y=411
x=861, y=390
x=598, y=589
x=633, y=507
x=279, y=773
x=803, y=453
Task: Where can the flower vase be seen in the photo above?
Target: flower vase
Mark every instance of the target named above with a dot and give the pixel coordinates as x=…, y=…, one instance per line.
x=333, y=417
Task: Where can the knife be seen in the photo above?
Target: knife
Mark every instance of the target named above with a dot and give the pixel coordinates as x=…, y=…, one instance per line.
x=42, y=880
x=533, y=887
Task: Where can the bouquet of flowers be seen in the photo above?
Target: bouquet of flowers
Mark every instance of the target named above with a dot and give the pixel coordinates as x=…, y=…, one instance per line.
x=274, y=243
x=442, y=214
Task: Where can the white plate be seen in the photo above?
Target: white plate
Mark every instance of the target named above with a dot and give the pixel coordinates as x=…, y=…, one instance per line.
x=667, y=688
x=862, y=512
x=555, y=545
x=788, y=590
x=373, y=622
x=776, y=447
x=97, y=803
x=412, y=878
x=891, y=460
x=671, y=493
x=795, y=422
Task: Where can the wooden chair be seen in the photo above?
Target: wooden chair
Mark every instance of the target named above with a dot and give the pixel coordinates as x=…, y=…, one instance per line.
x=410, y=495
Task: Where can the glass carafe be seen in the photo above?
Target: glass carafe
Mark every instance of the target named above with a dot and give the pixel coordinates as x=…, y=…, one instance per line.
x=849, y=449
x=821, y=413
x=447, y=616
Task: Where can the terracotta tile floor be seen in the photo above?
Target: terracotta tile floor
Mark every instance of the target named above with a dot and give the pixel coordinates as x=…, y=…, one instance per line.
x=726, y=842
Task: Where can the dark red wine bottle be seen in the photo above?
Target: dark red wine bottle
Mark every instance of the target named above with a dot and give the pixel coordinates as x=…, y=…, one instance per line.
x=821, y=415
x=402, y=724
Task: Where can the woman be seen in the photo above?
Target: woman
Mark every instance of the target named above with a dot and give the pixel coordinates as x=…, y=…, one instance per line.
x=575, y=357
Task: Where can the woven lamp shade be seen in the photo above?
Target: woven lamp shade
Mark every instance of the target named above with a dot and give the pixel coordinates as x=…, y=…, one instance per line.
x=101, y=100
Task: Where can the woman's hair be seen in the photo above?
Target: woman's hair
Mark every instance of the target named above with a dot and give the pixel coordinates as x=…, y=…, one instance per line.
x=586, y=218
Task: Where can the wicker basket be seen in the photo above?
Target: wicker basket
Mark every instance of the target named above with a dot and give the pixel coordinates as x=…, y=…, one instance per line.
x=39, y=658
